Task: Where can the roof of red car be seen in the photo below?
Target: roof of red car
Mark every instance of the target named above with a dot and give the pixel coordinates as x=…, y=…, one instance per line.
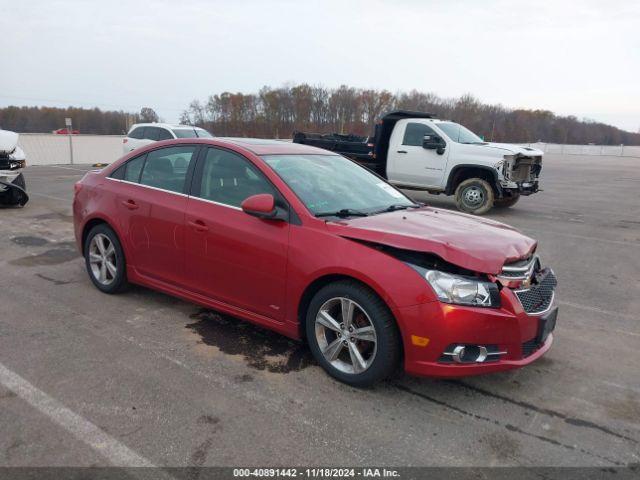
x=264, y=146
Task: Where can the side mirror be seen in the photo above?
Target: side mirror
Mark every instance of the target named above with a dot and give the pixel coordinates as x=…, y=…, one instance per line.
x=434, y=142
x=262, y=205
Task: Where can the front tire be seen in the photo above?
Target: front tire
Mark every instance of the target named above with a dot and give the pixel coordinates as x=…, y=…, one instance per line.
x=475, y=196
x=352, y=334
x=507, y=202
x=105, y=260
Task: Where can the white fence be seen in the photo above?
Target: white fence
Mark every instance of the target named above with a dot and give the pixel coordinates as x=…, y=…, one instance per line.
x=606, y=150
x=51, y=149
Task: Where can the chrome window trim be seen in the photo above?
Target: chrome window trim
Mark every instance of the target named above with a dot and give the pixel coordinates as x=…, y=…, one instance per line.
x=175, y=193
x=146, y=186
x=215, y=203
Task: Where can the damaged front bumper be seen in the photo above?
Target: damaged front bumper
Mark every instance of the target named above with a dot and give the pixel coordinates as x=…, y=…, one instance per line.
x=13, y=188
x=12, y=183
x=520, y=174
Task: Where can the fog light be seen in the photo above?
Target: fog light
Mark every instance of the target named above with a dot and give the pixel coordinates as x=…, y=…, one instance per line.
x=469, y=354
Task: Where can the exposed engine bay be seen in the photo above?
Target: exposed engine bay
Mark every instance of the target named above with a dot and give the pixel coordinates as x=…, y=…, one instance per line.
x=523, y=171
x=12, y=163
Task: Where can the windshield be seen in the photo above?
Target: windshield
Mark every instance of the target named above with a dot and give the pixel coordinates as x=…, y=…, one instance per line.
x=191, y=133
x=458, y=133
x=331, y=183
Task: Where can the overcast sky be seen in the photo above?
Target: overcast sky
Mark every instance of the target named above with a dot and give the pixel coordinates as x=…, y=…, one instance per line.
x=570, y=57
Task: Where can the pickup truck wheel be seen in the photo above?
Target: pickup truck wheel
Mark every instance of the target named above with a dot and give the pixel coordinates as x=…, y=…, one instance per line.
x=506, y=202
x=352, y=334
x=474, y=195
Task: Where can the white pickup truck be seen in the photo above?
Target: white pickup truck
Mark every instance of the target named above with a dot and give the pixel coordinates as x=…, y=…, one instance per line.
x=416, y=151
x=12, y=162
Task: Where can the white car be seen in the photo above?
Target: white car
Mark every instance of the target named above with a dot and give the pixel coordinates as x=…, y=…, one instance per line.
x=12, y=162
x=142, y=134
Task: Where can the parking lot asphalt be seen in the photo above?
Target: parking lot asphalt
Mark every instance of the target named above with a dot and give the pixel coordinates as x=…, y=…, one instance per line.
x=142, y=378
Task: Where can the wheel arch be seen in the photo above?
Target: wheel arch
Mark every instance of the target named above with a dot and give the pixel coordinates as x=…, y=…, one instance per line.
x=318, y=283
x=93, y=222
x=460, y=173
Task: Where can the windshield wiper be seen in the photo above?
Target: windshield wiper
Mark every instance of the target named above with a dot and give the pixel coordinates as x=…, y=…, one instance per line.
x=345, y=212
x=397, y=206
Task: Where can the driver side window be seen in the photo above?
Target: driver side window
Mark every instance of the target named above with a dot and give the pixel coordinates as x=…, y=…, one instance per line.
x=229, y=178
x=415, y=132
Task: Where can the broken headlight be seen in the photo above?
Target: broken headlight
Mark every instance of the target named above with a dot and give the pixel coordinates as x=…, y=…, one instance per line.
x=462, y=290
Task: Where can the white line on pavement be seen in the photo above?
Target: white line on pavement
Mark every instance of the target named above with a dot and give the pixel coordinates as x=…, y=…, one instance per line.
x=107, y=446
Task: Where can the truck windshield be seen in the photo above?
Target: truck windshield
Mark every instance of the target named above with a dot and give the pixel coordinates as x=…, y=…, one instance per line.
x=458, y=133
x=331, y=183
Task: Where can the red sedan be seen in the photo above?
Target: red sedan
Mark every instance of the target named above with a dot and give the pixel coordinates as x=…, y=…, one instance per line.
x=310, y=244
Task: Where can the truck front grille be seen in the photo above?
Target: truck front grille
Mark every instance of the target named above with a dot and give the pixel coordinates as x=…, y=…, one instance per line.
x=539, y=297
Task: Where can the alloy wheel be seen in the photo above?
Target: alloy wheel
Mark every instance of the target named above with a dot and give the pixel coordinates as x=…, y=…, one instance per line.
x=346, y=335
x=102, y=259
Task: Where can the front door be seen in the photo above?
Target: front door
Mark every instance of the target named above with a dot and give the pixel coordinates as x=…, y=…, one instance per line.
x=231, y=256
x=410, y=163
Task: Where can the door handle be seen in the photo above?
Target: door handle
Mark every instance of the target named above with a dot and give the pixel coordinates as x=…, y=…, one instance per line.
x=130, y=204
x=402, y=151
x=198, y=225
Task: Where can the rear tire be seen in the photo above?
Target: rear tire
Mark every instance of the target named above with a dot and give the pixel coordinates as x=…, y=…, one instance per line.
x=105, y=260
x=507, y=202
x=352, y=334
x=475, y=196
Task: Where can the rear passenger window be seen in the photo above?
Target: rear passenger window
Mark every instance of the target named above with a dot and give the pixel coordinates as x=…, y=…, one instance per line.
x=151, y=133
x=132, y=169
x=229, y=178
x=166, y=168
x=137, y=133
x=415, y=132
x=164, y=134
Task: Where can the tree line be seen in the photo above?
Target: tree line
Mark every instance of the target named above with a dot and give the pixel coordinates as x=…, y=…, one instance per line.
x=278, y=112
x=94, y=120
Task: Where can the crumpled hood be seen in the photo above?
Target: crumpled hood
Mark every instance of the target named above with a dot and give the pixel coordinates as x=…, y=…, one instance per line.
x=8, y=141
x=469, y=242
x=515, y=149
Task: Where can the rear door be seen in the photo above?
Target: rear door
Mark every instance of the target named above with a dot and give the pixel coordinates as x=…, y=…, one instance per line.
x=408, y=163
x=231, y=256
x=153, y=204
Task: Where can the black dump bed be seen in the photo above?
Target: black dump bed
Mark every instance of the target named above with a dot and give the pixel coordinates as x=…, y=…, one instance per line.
x=371, y=152
x=352, y=146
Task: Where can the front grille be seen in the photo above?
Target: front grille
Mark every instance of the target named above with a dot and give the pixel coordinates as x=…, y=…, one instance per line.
x=539, y=296
x=4, y=161
x=520, y=270
x=529, y=347
x=514, y=274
